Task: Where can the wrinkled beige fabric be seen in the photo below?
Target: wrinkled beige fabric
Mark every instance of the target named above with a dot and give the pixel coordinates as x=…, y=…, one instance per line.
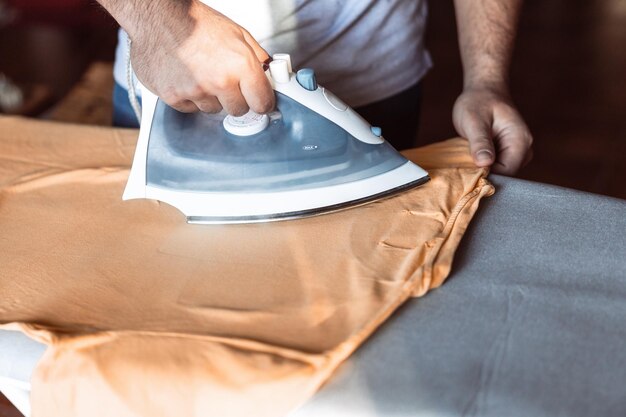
x=148, y=316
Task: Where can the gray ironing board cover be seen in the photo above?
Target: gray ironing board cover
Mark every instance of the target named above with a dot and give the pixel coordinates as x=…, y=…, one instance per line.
x=532, y=321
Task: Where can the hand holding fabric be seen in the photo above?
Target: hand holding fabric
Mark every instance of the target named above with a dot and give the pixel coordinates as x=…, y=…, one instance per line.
x=497, y=134
x=484, y=112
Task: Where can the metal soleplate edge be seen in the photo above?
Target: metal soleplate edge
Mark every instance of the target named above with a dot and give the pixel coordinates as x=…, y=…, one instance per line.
x=294, y=215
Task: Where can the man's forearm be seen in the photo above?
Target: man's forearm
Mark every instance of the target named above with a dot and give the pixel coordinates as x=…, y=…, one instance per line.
x=487, y=30
x=135, y=16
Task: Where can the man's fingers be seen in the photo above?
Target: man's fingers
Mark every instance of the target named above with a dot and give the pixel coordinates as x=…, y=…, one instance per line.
x=233, y=102
x=258, y=92
x=185, y=106
x=529, y=157
x=510, y=160
x=209, y=105
x=514, y=152
x=514, y=144
x=239, y=87
x=504, y=165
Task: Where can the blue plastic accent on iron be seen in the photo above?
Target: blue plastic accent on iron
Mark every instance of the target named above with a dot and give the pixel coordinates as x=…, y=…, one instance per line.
x=306, y=78
x=300, y=149
x=377, y=131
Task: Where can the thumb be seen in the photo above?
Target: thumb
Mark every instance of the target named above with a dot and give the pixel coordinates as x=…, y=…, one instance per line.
x=478, y=133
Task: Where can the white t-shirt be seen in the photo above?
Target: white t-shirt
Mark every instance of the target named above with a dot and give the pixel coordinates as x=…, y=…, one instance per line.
x=362, y=50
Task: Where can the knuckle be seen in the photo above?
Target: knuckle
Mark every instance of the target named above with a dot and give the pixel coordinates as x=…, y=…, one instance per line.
x=196, y=91
x=177, y=101
x=223, y=83
x=209, y=107
x=179, y=104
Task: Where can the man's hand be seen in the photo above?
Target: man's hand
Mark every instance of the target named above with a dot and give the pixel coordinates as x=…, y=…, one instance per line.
x=484, y=113
x=193, y=57
x=497, y=134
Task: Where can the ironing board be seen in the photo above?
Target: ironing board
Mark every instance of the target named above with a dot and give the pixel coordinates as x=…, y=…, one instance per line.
x=530, y=322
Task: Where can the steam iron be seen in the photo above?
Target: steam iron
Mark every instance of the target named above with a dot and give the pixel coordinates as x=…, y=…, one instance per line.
x=311, y=156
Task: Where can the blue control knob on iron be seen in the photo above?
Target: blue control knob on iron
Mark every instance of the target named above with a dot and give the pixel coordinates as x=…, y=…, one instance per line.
x=306, y=78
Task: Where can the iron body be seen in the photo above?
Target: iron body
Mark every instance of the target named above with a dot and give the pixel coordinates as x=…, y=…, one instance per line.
x=311, y=156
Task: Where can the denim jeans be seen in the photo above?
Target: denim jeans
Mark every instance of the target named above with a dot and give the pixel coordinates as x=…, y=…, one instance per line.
x=123, y=114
